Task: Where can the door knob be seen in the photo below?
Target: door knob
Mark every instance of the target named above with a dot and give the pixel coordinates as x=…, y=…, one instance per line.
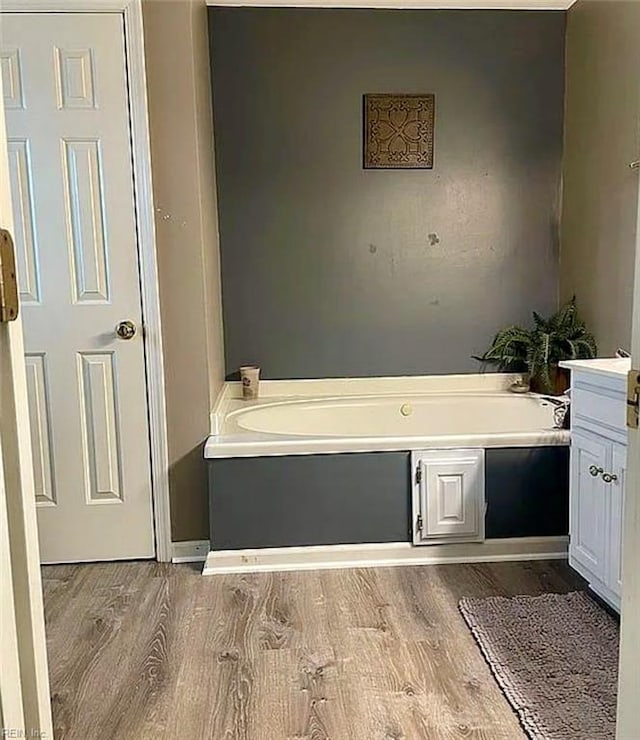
x=126, y=330
x=595, y=471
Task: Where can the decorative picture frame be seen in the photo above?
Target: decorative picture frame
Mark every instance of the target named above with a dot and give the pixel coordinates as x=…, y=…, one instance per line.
x=398, y=130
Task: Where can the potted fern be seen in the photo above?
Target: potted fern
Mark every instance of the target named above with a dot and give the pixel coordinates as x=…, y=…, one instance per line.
x=537, y=351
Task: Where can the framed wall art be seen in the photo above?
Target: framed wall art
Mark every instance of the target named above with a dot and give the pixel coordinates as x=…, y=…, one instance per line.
x=398, y=131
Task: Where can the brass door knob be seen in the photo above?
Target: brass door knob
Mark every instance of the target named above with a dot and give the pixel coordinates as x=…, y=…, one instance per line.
x=126, y=330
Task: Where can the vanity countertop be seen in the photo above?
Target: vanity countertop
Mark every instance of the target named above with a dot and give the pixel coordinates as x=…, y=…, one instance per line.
x=615, y=366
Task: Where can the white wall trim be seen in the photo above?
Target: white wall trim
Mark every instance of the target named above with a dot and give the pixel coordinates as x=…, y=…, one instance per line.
x=131, y=11
x=404, y=4
x=68, y=6
x=193, y=551
x=383, y=555
x=34, y=6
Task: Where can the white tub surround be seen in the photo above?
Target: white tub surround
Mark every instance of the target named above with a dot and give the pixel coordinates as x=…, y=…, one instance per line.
x=449, y=450
x=294, y=417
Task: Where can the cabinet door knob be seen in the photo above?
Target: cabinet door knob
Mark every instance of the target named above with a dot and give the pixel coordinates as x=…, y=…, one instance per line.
x=595, y=471
x=609, y=477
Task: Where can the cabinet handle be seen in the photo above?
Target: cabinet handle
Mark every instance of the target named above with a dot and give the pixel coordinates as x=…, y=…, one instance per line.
x=595, y=471
x=609, y=477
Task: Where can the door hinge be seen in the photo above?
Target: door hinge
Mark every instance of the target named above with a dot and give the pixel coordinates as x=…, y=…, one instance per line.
x=418, y=474
x=8, y=281
x=419, y=524
x=633, y=398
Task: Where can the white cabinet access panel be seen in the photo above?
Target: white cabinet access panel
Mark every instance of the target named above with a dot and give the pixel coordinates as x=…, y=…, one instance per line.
x=448, y=496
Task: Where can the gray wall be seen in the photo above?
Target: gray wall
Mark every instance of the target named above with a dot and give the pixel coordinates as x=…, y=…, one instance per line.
x=602, y=135
x=309, y=500
x=331, y=270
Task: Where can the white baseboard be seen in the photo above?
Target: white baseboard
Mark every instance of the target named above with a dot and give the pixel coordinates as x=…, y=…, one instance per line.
x=194, y=551
x=382, y=555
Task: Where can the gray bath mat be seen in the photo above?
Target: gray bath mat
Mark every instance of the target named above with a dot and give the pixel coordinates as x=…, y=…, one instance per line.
x=555, y=658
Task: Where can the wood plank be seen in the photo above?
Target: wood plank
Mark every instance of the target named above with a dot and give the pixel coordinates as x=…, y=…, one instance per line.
x=148, y=650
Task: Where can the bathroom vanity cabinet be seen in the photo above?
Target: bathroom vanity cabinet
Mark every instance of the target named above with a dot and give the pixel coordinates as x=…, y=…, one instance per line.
x=598, y=473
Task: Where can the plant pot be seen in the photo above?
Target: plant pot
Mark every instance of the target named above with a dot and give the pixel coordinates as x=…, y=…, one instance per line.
x=559, y=382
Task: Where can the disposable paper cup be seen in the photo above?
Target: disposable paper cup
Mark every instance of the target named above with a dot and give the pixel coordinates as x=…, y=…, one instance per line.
x=250, y=376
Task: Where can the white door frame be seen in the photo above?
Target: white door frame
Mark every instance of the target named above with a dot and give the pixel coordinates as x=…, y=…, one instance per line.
x=131, y=10
x=25, y=702
x=11, y=707
x=628, y=726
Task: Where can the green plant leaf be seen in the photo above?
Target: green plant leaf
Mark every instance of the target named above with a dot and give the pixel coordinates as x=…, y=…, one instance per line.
x=562, y=336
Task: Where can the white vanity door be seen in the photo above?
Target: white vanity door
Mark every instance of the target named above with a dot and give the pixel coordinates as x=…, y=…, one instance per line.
x=588, y=504
x=448, y=496
x=615, y=490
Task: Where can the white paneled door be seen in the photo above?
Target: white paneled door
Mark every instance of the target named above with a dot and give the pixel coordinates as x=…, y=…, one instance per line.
x=70, y=159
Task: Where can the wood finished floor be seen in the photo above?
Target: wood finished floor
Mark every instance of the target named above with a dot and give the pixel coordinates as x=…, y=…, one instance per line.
x=144, y=650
